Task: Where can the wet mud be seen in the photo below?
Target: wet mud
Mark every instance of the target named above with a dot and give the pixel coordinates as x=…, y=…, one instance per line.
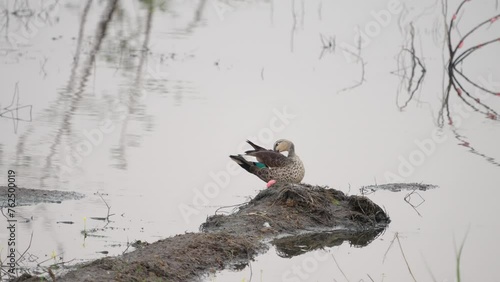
x=296, y=218
x=28, y=197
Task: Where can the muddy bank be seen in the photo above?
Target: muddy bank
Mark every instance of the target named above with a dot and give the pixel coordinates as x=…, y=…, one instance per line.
x=28, y=197
x=179, y=258
x=295, y=218
x=295, y=208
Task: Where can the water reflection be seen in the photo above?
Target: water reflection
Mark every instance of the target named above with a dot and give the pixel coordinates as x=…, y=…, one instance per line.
x=291, y=246
x=413, y=198
x=198, y=16
x=409, y=64
x=135, y=96
x=124, y=57
x=79, y=99
x=117, y=40
x=460, y=35
x=16, y=111
x=81, y=32
x=21, y=21
x=460, y=49
x=464, y=141
x=74, y=93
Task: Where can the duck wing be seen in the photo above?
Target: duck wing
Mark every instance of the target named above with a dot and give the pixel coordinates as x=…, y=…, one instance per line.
x=257, y=147
x=261, y=172
x=270, y=158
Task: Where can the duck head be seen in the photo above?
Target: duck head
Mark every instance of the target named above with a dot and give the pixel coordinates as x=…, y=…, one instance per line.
x=283, y=145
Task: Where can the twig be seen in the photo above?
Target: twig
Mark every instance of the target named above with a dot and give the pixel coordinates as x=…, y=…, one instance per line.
x=429, y=270
x=408, y=197
x=320, y=12
x=412, y=52
x=388, y=248
x=250, y=266
x=51, y=274
x=473, y=150
x=1, y=210
x=29, y=246
x=62, y=262
x=415, y=61
x=456, y=58
x=231, y=206
x=128, y=246
x=338, y=266
x=294, y=26
x=362, y=63
x=460, y=89
x=14, y=108
x=404, y=257
x=43, y=261
x=329, y=45
x=475, y=84
x=109, y=208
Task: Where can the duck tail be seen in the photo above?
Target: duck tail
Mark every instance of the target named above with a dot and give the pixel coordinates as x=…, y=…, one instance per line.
x=242, y=162
x=256, y=168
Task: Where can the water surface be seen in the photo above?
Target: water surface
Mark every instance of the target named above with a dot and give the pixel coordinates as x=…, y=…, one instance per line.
x=143, y=102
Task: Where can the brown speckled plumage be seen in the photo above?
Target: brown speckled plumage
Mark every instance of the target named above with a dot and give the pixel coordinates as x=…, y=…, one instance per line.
x=272, y=165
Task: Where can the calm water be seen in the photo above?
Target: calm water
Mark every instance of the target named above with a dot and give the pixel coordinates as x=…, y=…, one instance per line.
x=144, y=103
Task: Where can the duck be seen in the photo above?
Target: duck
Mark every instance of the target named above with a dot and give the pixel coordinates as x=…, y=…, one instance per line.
x=272, y=166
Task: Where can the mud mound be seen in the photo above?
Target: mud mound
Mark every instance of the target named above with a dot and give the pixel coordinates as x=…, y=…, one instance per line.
x=297, y=218
x=293, y=208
